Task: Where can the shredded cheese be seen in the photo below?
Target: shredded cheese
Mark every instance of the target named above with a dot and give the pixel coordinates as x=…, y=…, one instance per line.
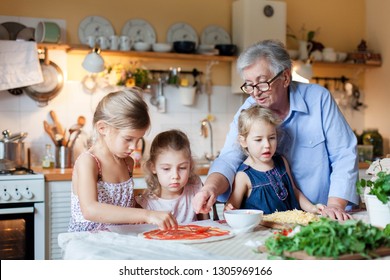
x=291, y=217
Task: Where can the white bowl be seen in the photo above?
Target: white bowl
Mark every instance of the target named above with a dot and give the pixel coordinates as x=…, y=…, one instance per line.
x=162, y=47
x=243, y=220
x=142, y=46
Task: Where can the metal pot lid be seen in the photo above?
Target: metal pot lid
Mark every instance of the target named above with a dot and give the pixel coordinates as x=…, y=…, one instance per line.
x=17, y=137
x=53, y=80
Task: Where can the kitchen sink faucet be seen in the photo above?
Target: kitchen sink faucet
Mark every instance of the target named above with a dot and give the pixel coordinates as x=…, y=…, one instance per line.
x=205, y=131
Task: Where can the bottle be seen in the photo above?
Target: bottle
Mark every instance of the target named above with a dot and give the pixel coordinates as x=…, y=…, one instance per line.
x=372, y=137
x=48, y=158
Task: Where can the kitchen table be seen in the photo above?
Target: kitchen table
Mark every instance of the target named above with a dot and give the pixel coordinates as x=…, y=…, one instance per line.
x=122, y=243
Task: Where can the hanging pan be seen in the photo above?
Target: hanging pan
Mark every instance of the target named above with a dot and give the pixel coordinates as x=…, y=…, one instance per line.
x=53, y=81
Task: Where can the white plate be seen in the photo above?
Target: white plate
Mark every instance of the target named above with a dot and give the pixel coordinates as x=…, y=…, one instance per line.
x=94, y=25
x=214, y=35
x=139, y=30
x=26, y=34
x=182, y=32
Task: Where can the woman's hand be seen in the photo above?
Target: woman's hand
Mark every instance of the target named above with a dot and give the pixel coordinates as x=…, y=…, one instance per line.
x=203, y=201
x=164, y=220
x=334, y=212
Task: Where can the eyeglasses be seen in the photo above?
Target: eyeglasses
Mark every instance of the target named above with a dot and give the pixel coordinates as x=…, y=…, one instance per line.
x=262, y=86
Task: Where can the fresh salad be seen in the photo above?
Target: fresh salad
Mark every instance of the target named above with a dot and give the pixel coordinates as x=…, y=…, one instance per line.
x=329, y=238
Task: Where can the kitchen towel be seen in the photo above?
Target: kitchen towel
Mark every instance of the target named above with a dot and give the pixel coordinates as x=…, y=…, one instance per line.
x=19, y=64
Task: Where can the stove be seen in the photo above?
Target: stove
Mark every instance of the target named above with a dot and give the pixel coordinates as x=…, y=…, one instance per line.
x=22, y=215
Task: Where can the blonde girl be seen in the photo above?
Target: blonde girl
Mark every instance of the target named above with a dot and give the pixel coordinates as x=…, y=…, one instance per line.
x=170, y=177
x=264, y=181
x=102, y=183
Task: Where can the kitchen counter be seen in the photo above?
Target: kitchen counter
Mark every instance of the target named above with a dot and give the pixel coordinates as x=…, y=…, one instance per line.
x=58, y=174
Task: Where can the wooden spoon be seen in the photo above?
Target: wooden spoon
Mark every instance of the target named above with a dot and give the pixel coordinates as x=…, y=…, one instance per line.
x=49, y=131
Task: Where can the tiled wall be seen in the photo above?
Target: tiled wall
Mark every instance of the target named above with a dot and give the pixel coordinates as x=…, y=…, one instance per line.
x=21, y=113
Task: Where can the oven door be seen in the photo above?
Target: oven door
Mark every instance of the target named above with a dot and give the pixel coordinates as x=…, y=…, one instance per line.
x=17, y=231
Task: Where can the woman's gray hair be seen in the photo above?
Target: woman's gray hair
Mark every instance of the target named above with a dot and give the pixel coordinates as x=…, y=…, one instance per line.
x=271, y=50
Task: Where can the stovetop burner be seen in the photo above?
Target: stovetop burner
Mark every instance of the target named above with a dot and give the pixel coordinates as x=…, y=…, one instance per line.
x=17, y=171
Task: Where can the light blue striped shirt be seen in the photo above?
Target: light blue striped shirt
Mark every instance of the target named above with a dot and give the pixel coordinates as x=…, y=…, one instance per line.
x=317, y=141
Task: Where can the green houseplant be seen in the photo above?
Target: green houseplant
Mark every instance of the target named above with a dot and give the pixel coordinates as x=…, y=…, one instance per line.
x=377, y=198
x=380, y=186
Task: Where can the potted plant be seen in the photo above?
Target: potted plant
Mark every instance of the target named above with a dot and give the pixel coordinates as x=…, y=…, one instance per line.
x=377, y=197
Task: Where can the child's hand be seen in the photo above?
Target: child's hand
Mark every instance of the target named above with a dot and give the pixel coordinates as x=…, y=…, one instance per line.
x=229, y=206
x=164, y=220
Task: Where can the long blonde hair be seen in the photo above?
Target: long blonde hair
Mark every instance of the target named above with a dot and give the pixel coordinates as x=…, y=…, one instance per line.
x=124, y=109
x=173, y=139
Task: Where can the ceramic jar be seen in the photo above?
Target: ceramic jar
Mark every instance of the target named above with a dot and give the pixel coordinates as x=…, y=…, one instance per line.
x=372, y=137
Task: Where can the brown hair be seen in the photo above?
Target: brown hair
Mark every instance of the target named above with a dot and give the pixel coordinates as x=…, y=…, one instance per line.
x=173, y=139
x=123, y=109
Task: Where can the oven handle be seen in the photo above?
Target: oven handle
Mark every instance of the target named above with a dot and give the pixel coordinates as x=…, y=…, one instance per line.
x=20, y=210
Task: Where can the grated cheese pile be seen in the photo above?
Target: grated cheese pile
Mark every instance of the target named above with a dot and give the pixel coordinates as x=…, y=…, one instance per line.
x=291, y=217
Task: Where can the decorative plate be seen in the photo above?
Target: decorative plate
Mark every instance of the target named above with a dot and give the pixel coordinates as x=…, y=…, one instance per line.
x=94, y=25
x=139, y=30
x=4, y=35
x=13, y=29
x=27, y=34
x=214, y=35
x=182, y=32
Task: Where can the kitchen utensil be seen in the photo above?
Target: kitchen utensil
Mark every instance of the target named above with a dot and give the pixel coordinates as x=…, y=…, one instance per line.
x=182, y=32
x=226, y=49
x=139, y=30
x=243, y=220
x=47, y=32
x=57, y=124
x=49, y=131
x=94, y=25
x=213, y=35
x=184, y=46
x=13, y=28
x=12, y=148
x=53, y=80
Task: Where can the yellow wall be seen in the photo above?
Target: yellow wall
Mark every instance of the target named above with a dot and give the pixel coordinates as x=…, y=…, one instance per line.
x=341, y=23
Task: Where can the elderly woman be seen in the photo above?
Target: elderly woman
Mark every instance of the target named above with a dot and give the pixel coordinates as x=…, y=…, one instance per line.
x=317, y=141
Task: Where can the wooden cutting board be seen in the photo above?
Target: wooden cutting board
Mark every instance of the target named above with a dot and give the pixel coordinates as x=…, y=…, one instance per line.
x=302, y=255
x=276, y=225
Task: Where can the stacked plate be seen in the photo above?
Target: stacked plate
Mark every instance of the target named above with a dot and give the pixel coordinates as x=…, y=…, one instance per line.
x=16, y=31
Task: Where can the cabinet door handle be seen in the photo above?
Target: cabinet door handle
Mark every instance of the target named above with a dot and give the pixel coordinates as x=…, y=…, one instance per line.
x=20, y=210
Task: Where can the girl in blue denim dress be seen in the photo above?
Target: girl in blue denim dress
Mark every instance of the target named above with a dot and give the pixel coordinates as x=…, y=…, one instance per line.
x=264, y=181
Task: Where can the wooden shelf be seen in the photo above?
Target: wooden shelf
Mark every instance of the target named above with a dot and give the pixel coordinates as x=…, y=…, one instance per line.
x=344, y=65
x=83, y=49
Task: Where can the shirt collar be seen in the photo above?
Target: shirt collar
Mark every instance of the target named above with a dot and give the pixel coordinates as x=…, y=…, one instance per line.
x=297, y=103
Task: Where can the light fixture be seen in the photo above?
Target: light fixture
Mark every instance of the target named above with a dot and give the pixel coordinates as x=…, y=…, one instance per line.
x=93, y=61
x=302, y=71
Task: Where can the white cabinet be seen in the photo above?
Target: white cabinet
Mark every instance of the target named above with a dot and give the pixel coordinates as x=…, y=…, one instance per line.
x=57, y=215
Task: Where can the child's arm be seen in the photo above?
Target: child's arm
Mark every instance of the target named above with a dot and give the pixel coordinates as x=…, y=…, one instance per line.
x=95, y=211
x=304, y=203
x=241, y=186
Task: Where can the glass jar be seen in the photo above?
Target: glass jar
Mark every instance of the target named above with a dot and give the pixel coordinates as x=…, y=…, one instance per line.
x=372, y=137
x=48, y=158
